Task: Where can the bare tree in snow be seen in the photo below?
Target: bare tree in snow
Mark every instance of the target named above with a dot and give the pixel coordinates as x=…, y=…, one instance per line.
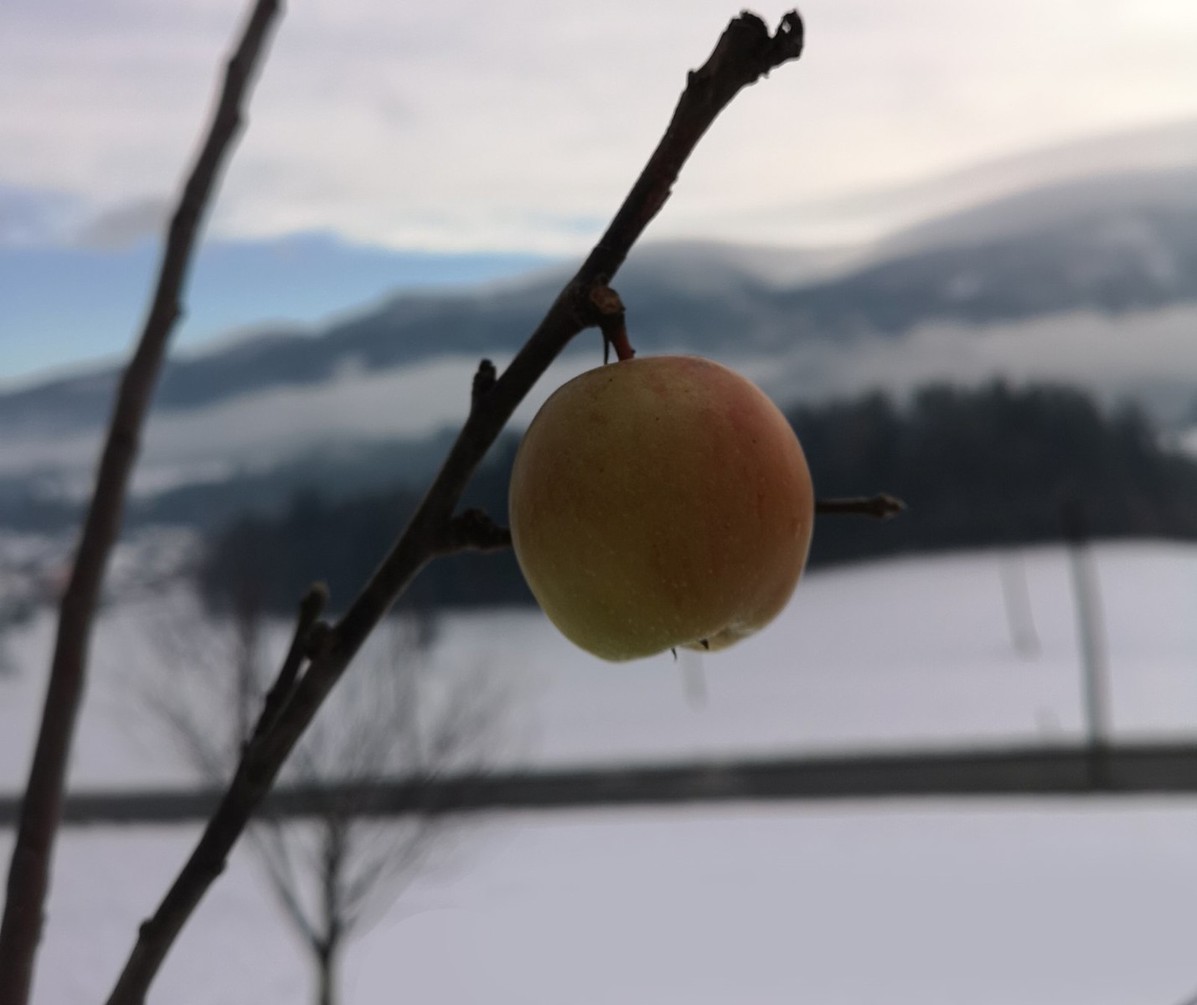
x=333, y=873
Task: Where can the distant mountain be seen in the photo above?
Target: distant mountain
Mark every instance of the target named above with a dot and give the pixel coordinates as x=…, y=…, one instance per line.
x=683, y=294
x=1109, y=245
x=1146, y=151
x=1050, y=263
x=1105, y=196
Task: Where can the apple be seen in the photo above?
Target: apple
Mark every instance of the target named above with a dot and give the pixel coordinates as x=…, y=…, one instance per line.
x=660, y=502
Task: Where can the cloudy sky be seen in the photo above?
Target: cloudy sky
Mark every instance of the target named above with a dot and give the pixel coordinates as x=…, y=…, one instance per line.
x=395, y=144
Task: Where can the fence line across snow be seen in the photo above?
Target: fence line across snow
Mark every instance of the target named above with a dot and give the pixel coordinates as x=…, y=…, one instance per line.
x=1125, y=770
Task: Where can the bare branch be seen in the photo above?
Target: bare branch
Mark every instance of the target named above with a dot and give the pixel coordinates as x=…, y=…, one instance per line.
x=275, y=857
x=29, y=872
x=310, y=609
x=391, y=718
x=473, y=530
x=484, y=380
x=880, y=507
x=744, y=53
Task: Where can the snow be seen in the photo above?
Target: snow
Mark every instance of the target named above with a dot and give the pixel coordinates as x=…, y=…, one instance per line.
x=926, y=902
x=1035, y=904
x=911, y=652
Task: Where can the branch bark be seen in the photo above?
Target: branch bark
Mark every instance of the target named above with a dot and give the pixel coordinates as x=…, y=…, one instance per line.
x=879, y=507
x=29, y=870
x=745, y=52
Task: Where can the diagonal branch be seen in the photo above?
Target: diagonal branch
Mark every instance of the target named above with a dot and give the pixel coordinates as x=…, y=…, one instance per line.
x=29, y=871
x=745, y=52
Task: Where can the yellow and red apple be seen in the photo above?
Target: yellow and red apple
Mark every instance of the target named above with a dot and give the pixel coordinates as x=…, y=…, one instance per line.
x=660, y=502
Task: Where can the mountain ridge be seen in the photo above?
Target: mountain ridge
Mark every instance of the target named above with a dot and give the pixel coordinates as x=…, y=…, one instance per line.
x=1113, y=244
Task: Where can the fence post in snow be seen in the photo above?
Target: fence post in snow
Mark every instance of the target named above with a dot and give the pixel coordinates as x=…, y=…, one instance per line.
x=1091, y=633
x=1016, y=599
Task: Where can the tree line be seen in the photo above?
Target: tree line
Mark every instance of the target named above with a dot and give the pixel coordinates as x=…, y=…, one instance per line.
x=986, y=466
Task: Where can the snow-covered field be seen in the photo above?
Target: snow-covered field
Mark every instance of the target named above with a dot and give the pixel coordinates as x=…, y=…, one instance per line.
x=928, y=903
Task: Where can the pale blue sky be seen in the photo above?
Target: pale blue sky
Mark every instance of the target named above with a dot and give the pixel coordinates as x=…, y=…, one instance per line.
x=64, y=304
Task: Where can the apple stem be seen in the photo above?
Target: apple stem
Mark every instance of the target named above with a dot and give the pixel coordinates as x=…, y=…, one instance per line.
x=611, y=317
x=616, y=335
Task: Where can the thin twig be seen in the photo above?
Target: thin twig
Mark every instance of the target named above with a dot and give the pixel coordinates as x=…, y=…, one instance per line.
x=473, y=530
x=310, y=609
x=744, y=53
x=484, y=379
x=29, y=871
x=879, y=507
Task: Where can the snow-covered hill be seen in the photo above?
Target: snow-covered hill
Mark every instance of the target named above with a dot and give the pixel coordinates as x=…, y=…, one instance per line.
x=1048, y=902
x=908, y=652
